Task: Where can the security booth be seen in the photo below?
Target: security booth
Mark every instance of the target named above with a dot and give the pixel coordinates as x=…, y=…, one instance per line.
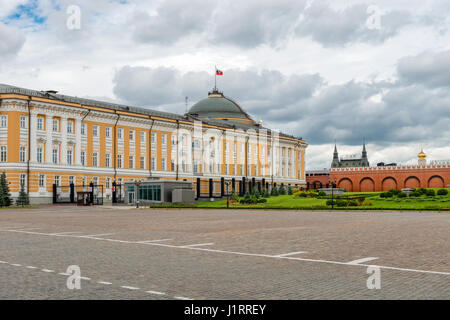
x=158, y=192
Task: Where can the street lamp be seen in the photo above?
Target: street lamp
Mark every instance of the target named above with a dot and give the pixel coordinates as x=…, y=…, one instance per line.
x=332, y=192
x=227, y=184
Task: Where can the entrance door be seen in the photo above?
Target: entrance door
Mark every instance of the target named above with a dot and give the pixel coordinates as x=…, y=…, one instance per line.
x=131, y=197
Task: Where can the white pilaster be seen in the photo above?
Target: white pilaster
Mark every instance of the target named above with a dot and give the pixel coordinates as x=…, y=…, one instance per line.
x=78, y=141
x=49, y=143
x=64, y=140
x=32, y=143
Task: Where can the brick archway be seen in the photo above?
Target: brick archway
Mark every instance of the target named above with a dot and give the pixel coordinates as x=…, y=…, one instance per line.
x=366, y=185
x=389, y=183
x=346, y=184
x=412, y=182
x=436, y=182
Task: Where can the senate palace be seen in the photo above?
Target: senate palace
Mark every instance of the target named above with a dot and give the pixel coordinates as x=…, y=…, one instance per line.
x=49, y=139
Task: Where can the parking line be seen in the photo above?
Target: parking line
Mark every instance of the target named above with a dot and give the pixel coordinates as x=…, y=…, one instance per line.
x=3, y=261
x=64, y=274
x=63, y=233
x=289, y=254
x=150, y=241
x=130, y=288
x=155, y=292
x=182, y=298
x=95, y=235
x=47, y=270
x=360, y=261
x=197, y=245
x=31, y=267
x=104, y=282
x=16, y=264
x=85, y=278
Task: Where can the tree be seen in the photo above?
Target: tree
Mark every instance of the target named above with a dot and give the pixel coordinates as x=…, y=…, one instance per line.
x=23, y=199
x=5, y=196
x=290, y=191
x=274, y=191
x=282, y=190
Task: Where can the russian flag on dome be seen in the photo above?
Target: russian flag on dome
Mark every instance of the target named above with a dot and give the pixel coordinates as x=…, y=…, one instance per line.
x=219, y=72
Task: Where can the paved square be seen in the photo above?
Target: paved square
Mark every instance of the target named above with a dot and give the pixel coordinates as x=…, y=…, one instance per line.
x=128, y=253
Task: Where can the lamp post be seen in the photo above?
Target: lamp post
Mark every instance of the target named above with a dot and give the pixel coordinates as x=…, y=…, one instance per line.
x=227, y=184
x=332, y=192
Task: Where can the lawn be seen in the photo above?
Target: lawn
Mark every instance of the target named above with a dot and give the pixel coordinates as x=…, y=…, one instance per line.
x=292, y=202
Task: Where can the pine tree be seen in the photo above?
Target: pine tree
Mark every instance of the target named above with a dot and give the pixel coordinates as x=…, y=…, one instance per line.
x=5, y=197
x=23, y=199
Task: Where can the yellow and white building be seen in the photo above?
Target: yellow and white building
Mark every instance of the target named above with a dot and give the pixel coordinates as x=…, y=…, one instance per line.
x=48, y=138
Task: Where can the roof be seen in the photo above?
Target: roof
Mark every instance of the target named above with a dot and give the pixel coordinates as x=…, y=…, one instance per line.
x=52, y=95
x=216, y=105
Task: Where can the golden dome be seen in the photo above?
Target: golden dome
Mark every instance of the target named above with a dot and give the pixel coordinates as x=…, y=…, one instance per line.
x=422, y=155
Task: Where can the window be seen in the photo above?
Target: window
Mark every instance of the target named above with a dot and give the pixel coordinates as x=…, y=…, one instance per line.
x=84, y=181
x=131, y=162
x=95, y=131
x=108, y=183
x=55, y=125
x=174, y=140
x=142, y=137
x=3, y=121
x=108, y=160
x=152, y=193
x=23, y=179
x=163, y=164
x=119, y=161
x=142, y=166
x=120, y=133
x=95, y=159
x=153, y=141
x=172, y=165
x=55, y=155
x=164, y=143
x=39, y=155
x=22, y=154
x=71, y=180
x=41, y=181
x=69, y=157
x=131, y=135
x=69, y=126
x=153, y=163
x=183, y=166
x=195, y=166
x=108, y=132
x=23, y=122
x=95, y=181
x=83, y=158
x=83, y=129
x=57, y=180
x=40, y=123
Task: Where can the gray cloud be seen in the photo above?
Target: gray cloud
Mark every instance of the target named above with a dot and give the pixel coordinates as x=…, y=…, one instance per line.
x=333, y=28
x=304, y=105
x=12, y=40
x=430, y=69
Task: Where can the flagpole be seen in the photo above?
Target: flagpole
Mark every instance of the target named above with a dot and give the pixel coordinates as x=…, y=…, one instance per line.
x=215, y=78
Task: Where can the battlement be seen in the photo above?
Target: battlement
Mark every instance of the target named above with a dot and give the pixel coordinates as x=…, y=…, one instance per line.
x=391, y=168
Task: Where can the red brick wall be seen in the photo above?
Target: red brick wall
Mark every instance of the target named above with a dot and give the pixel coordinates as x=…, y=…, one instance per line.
x=386, y=178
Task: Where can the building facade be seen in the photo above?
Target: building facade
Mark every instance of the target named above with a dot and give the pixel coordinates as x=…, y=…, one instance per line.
x=350, y=161
x=51, y=139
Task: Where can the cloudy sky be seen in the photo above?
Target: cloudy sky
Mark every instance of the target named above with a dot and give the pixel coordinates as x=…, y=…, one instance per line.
x=321, y=70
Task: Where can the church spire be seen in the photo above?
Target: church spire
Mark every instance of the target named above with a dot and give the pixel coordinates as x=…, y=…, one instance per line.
x=335, y=162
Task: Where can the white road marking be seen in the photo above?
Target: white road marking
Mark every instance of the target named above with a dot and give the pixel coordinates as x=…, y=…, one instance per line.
x=64, y=233
x=289, y=254
x=95, y=235
x=197, y=245
x=359, y=261
x=85, y=278
x=150, y=241
x=182, y=298
x=250, y=254
x=64, y=274
x=155, y=292
x=3, y=261
x=130, y=288
x=47, y=270
x=31, y=267
x=15, y=264
x=104, y=282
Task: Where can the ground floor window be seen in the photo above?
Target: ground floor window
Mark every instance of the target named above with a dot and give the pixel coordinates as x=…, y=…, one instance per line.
x=152, y=193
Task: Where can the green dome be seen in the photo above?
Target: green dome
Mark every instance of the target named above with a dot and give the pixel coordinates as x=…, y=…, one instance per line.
x=219, y=107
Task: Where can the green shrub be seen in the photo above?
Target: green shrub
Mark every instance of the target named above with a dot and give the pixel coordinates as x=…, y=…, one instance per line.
x=322, y=194
x=341, y=203
x=247, y=195
x=330, y=202
x=255, y=192
x=402, y=195
x=430, y=193
x=383, y=195
x=289, y=191
x=274, y=191
x=262, y=200
x=352, y=203
x=282, y=190
x=266, y=193
x=442, y=192
x=234, y=196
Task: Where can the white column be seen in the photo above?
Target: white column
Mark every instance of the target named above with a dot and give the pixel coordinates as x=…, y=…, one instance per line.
x=78, y=141
x=64, y=140
x=32, y=142
x=49, y=143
